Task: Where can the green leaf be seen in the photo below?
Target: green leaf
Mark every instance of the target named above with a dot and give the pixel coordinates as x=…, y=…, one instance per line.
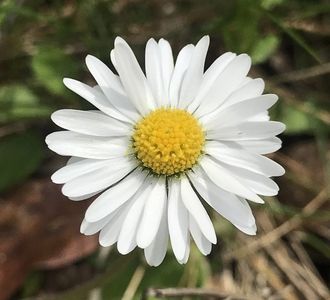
x=50, y=65
x=17, y=95
x=269, y=4
x=264, y=48
x=239, y=28
x=31, y=285
x=20, y=156
x=19, y=102
x=295, y=120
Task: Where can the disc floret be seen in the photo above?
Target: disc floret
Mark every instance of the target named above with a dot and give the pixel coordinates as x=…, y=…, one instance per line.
x=168, y=141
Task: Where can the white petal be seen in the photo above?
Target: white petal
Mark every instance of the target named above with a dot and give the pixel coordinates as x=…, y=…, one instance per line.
x=98, y=89
x=154, y=71
x=262, y=117
x=210, y=76
x=253, y=88
x=113, y=58
x=186, y=255
x=155, y=253
x=127, y=237
x=181, y=65
x=110, y=232
x=152, y=213
x=132, y=78
x=99, y=179
x=234, y=209
x=73, y=159
x=197, y=210
x=81, y=167
x=257, y=183
x=159, y=69
x=88, y=228
x=261, y=146
x=103, y=75
x=177, y=220
x=95, y=97
x=90, y=123
x=269, y=129
x=194, y=74
x=111, y=86
x=246, y=80
x=84, y=197
x=226, y=180
x=75, y=144
x=115, y=196
x=167, y=65
x=251, y=230
x=226, y=82
x=203, y=244
x=233, y=154
x=212, y=73
x=248, y=131
x=239, y=112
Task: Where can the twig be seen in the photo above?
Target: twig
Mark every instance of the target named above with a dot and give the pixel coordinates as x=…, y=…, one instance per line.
x=189, y=292
x=302, y=74
x=279, y=231
x=309, y=26
x=286, y=261
x=274, y=278
x=295, y=263
x=293, y=167
x=307, y=268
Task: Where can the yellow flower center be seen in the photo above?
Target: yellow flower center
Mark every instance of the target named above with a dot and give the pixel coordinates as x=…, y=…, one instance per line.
x=168, y=141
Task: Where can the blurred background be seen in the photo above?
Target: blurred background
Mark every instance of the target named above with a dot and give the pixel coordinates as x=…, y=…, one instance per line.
x=42, y=253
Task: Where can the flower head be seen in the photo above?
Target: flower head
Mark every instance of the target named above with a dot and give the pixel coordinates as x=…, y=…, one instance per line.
x=163, y=146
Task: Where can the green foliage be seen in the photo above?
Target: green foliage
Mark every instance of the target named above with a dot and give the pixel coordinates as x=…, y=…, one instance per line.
x=170, y=271
x=32, y=284
x=242, y=32
x=20, y=156
x=239, y=28
x=264, y=48
x=50, y=65
x=296, y=121
x=269, y=4
x=116, y=286
x=18, y=102
x=294, y=36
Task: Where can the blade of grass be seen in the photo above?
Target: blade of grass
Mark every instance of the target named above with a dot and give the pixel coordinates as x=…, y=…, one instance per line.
x=295, y=36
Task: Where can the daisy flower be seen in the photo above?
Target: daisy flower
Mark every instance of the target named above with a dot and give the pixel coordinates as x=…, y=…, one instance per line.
x=164, y=145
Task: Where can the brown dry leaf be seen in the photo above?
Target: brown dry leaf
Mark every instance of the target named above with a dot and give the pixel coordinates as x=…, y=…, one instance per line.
x=39, y=227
